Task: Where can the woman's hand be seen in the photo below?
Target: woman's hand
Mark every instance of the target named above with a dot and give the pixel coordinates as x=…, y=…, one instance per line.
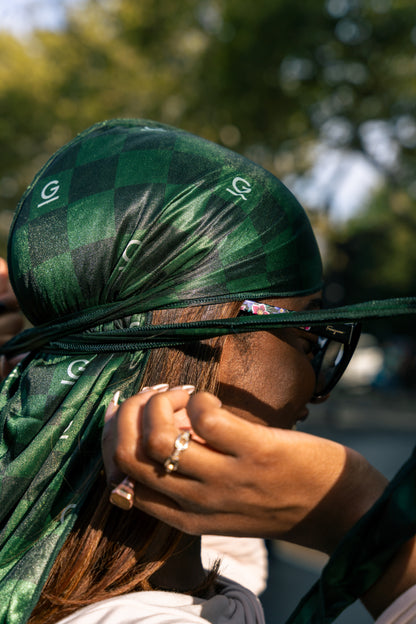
x=246, y=480
x=11, y=319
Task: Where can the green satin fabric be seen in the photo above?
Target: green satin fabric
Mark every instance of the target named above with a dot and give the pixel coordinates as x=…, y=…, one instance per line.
x=129, y=217
x=140, y=216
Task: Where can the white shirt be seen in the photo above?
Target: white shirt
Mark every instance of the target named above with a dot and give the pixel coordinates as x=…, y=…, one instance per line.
x=245, y=561
x=242, y=559
x=233, y=605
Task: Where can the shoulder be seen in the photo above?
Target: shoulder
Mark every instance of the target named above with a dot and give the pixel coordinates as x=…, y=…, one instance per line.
x=134, y=608
x=232, y=605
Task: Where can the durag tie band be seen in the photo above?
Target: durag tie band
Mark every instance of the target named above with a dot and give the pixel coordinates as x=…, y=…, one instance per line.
x=129, y=217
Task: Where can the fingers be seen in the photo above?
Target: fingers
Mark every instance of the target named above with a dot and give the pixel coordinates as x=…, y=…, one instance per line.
x=121, y=435
x=163, y=416
x=201, y=495
x=112, y=408
x=131, y=423
x=222, y=430
x=171, y=512
x=168, y=510
x=159, y=432
x=109, y=435
x=197, y=519
x=147, y=427
x=147, y=432
x=124, y=429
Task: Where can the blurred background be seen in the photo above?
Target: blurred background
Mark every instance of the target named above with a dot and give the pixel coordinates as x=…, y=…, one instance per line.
x=321, y=93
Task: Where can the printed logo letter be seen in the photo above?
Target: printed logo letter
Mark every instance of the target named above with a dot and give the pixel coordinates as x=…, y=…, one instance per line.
x=125, y=254
x=49, y=192
x=71, y=374
x=240, y=188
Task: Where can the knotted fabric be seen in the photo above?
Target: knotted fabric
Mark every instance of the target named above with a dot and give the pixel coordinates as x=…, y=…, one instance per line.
x=129, y=217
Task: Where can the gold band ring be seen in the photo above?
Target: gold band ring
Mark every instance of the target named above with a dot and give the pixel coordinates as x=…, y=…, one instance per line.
x=123, y=494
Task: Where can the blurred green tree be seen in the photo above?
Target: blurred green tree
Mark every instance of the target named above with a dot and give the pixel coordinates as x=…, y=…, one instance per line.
x=269, y=79
x=373, y=256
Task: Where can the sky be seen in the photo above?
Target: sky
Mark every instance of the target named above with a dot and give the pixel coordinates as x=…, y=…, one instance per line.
x=340, y=179
x=345, y=180
x=20, y=16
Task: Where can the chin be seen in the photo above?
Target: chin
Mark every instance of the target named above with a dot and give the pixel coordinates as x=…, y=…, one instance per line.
x=289, y=418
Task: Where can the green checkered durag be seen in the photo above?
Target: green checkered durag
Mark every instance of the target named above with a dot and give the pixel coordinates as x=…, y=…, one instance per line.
x=129, y=217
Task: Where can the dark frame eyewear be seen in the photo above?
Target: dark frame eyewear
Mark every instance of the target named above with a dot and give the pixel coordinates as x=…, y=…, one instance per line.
x=332, y=352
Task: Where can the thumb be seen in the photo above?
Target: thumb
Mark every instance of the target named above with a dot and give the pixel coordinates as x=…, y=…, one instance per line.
x=222, y=430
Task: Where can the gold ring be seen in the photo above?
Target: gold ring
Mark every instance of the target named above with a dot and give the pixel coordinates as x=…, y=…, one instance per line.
x=123, y=494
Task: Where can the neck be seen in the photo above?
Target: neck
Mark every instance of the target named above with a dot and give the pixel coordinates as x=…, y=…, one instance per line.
x=183, y=571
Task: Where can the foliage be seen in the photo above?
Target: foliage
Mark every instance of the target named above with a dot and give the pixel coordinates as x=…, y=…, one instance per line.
x=269, y=79
x=373, y=256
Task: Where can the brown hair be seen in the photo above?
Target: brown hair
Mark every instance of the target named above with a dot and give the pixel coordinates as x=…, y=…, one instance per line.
x=110, y=552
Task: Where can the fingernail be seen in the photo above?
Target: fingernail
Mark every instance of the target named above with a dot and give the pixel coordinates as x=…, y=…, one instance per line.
x=112, y=407
x=186, y=388
x=157, y=388
x=215, y=400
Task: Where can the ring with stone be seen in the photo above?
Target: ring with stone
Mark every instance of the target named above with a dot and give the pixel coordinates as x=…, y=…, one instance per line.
x=181, y=444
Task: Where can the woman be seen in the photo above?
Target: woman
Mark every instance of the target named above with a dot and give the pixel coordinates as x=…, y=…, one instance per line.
x=131, y=253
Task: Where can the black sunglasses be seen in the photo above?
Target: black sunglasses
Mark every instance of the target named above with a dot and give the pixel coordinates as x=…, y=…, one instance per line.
x=332, y=352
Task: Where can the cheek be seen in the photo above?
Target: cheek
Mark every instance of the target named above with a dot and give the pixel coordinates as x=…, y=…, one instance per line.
x=287, y=368
x=266, y=380
x=293, y=386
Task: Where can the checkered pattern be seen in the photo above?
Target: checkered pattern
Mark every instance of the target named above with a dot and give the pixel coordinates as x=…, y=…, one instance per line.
x=165, y=199
x=136, y=215
x=52, y=410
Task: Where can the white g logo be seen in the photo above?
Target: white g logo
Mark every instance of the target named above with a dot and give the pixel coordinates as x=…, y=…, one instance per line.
x=125, y=255
x=240, y=188
x=80, y=367
x=49, y=192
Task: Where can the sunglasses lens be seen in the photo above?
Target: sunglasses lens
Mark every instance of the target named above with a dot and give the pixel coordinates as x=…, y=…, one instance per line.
x=334, y=348
x=327, y=364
